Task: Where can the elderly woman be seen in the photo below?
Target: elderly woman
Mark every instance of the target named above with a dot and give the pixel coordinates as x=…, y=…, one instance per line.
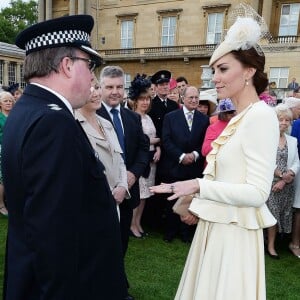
x=174, y=92
x=294, y=105
x=282, y=194
x=226, y=258
x=140, y=95
x=104, y=140
x=6, y=104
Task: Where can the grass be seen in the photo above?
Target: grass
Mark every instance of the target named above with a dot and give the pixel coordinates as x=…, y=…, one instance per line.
x=154, y=268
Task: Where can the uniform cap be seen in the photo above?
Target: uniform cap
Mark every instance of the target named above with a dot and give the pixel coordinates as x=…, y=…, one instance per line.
x=72, y=31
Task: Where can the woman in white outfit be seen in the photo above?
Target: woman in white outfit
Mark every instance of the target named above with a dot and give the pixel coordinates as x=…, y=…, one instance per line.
x=226, y=258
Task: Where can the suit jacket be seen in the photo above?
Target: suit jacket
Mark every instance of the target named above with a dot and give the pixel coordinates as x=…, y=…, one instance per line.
x=295, y=87
x=63, y=232
x=293, y=158
x=136, y=147
x=158, y=111
x=178, y=139
x=108, y=149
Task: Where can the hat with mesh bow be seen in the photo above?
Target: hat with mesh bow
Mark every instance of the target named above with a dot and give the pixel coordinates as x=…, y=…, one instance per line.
x=70, y=31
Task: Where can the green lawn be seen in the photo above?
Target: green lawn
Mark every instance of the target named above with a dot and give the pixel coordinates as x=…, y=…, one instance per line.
x=154, y=268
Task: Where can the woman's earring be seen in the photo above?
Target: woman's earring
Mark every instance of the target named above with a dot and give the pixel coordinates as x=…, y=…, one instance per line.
x=246, y=82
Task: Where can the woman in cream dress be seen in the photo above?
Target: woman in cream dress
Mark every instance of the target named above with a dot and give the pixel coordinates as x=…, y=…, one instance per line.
x=226, y=258
x=105, y=142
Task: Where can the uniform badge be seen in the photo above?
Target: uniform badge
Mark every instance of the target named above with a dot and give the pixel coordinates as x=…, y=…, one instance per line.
x=54, y=107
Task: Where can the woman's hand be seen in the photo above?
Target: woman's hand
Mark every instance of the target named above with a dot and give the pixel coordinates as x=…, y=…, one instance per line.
x=278, y=186
x=288, y=176
x=156, y=156
x=189, y=219
x=178, y=189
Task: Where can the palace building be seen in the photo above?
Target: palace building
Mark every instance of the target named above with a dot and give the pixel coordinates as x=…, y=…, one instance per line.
x=143, y=36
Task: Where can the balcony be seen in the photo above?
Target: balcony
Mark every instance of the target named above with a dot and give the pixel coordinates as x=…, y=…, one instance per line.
x=279, y=43
x=151, y=53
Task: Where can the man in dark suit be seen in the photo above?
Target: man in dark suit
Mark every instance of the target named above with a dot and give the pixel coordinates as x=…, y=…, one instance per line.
x=161, y=105
x=293, y=85
x=134, y=143
x=63, y=232
x=182, y=137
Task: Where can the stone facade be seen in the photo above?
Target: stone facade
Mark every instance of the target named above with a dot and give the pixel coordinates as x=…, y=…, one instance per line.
x=11, y=64
x=190, y=49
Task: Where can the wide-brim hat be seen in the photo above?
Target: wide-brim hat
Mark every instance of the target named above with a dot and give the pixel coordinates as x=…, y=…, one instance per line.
x=13, y=87
x=210, y=96
x=161, y=77
x=69, y=31
x=291, y=102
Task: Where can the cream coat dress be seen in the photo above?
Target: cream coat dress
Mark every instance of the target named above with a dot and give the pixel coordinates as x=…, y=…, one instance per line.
x=226, y=258
x=108, y=150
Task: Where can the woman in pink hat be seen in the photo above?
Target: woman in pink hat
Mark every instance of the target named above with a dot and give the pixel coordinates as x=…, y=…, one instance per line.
x=174, y=92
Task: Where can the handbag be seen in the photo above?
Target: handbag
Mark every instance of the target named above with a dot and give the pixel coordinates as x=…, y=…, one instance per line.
x=181, y=207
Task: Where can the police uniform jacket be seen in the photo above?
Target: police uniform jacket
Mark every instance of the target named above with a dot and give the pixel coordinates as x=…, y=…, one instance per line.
x=63, y=230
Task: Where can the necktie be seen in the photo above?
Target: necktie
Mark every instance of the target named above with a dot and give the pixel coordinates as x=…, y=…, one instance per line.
x=119, y=129
x=190, y=119
x=165, y=103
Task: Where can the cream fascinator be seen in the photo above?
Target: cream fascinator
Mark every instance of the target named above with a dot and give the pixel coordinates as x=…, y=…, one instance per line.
x=248, y=28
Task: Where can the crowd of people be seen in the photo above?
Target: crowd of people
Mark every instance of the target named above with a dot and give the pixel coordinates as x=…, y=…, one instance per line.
x=95, y=164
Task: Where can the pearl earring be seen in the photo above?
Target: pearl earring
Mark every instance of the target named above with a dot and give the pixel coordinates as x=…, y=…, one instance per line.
x=247, y=82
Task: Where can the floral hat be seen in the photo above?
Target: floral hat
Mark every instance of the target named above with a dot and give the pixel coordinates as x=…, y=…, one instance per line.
x=225, y=105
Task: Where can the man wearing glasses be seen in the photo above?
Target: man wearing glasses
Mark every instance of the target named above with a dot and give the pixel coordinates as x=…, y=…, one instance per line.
x=183, y=133
x=63, y=233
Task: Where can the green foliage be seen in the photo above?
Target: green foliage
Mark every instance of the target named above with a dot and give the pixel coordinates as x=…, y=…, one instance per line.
x=15, y=18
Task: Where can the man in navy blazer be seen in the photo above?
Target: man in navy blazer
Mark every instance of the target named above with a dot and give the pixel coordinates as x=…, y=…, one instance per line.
x=134, y=142
x=63, y=231
x=182, y=137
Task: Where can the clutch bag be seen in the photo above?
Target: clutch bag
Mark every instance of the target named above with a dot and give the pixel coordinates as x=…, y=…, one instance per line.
x=181, y=207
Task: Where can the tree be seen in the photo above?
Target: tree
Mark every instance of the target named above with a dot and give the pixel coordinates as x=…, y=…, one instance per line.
x=15, y=18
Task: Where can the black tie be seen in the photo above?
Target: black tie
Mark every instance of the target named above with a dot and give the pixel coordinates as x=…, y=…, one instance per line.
x=119, y=129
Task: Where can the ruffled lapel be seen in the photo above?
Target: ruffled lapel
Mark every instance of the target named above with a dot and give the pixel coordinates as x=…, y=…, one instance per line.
x=229, y=130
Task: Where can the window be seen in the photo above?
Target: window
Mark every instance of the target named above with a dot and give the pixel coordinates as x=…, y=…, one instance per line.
x=280, y=76
x=168, y=31
x=12, y=68
x=127, y=34
x=289, y=19
x=127, y=81
x=214, y=28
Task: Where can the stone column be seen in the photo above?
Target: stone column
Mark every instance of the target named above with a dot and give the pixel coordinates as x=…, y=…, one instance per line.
x=5, y=72
x=18, y=73
x=41, y=9
x=72, y=5
x=48, y=9
x=206, y=77
x=81, y=7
